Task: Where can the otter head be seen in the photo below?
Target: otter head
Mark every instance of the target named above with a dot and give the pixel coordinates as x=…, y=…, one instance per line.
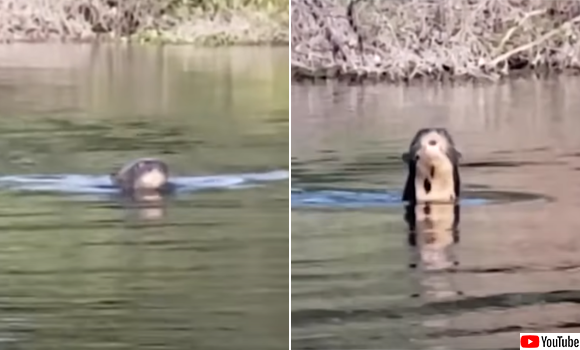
x=142, y=175
x=433, y=163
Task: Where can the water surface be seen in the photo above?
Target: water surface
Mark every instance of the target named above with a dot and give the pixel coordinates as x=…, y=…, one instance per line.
x=360, y=281
x=82, y=269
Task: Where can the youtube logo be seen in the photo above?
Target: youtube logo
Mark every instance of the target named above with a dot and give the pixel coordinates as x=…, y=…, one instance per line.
x=530, y=341
x=549, y=340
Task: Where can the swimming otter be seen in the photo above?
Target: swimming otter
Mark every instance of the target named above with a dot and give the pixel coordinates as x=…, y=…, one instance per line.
x=433, y=163
x=142, y=175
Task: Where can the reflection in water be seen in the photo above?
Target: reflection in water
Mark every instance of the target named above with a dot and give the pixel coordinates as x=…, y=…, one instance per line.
x=149, y=212
x=517, y=258
x=144, y=206
x=433, y=231
x=82, y=269
x=433, y=236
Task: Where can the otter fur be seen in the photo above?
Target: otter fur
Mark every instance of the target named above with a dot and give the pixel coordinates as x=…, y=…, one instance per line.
x=433, y=167
x=142, y=175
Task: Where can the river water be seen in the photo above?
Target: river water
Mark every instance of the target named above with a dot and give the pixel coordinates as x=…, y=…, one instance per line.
x=358, y=279
x=82, y=269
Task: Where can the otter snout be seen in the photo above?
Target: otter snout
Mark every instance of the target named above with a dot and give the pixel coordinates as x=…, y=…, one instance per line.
x=431, y=151
x=150, y=179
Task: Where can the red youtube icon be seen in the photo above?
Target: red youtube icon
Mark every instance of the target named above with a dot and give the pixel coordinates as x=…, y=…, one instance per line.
x=530, y=341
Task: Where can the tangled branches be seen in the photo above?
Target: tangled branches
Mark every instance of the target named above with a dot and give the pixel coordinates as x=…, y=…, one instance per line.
x=213, y=22
x=39, y=20
x=401, y=40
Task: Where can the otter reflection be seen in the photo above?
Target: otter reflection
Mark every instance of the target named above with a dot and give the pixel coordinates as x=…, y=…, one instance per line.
x=433, y=233
x=143, y=208
x=433, y=237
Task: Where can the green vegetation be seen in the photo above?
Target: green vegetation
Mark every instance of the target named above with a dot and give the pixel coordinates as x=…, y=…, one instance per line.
x=213, y=22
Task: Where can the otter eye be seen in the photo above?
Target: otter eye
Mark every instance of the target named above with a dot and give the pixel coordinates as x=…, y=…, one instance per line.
x=432, y=142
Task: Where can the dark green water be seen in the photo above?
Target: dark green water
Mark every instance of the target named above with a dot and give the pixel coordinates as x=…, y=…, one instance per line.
x=209, y=270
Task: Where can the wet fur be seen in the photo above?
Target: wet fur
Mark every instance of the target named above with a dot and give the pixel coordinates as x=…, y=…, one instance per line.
x=410, y=190
x=126, y=177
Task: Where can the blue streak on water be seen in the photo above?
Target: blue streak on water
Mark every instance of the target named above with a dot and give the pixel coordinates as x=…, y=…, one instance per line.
x=345, y=198
x=101, y=184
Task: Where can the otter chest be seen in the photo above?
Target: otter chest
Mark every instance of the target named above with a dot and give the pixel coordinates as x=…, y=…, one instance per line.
x=435, y=184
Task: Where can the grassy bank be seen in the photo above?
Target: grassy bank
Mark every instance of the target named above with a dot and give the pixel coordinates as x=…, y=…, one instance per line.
x=403, y=40
x=207, y=22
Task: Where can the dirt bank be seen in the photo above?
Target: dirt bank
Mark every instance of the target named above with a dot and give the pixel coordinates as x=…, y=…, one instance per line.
x=403, y=40
x=208, y=22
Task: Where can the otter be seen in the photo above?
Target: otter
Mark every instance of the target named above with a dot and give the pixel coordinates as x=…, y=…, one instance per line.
x=141, y=176
x=433, y=167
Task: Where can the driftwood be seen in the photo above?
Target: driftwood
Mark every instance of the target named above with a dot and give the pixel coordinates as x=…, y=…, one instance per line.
x=402, y=40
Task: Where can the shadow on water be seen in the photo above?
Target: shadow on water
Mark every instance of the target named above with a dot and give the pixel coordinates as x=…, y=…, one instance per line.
x=370, y=272
x=83, y=268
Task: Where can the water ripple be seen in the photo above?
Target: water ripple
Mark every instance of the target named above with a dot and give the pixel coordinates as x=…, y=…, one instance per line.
x=507, y=300
x=365, y=198
x=101, y=184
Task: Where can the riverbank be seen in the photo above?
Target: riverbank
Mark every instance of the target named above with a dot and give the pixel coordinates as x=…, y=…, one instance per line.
x=211, y=22
x=406, y=40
